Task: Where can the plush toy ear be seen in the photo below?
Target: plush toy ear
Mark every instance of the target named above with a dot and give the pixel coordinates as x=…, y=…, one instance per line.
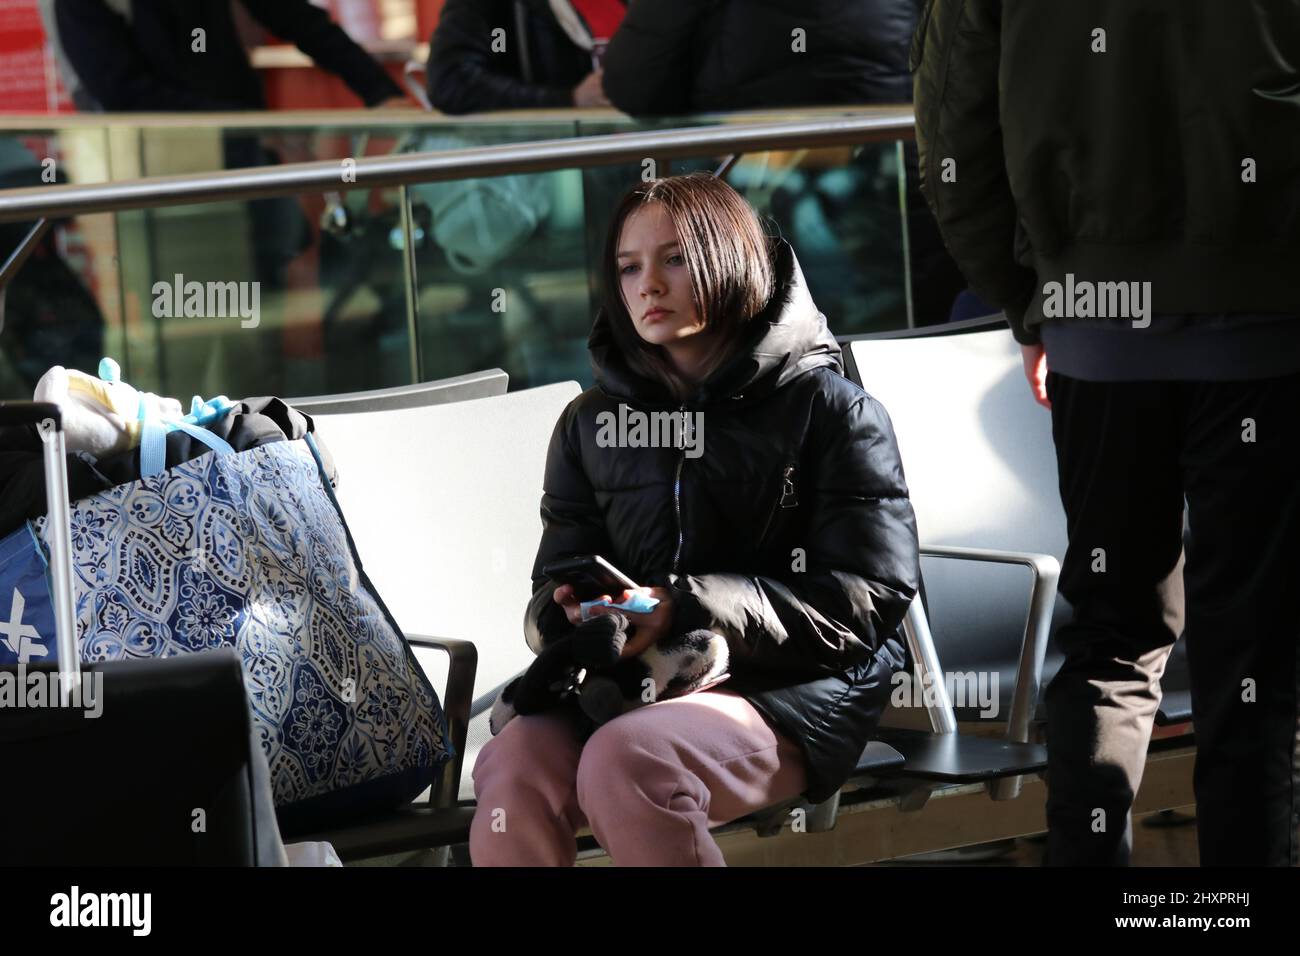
x=53, y=386
x=162, y=407
x=90, y=423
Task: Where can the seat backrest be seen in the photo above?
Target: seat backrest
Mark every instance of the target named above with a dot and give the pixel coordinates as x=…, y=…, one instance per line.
x=443, y=503
x=458, y=389
x=981, y=469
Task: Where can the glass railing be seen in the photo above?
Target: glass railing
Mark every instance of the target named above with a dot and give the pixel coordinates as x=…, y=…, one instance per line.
x=369, y=287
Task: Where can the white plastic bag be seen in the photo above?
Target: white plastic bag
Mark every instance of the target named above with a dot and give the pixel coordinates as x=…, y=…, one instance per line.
x=312, y=854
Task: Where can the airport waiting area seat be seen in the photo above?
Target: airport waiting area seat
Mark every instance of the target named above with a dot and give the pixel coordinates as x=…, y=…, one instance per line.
x=980, y=467
x=442, y=500
x=457, y=389
x=981, y=475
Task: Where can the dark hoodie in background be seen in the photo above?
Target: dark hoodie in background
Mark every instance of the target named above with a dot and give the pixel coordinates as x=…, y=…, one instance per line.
x=539, y=67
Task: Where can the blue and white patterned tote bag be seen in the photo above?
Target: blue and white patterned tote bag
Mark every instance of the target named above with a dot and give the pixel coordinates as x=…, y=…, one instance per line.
x=250, y=550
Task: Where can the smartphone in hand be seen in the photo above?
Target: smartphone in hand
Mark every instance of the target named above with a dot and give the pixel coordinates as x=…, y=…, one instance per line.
x=591, y=576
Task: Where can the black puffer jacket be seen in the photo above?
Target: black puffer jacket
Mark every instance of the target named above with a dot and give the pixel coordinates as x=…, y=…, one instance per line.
x=673, y=57
x=812, y=649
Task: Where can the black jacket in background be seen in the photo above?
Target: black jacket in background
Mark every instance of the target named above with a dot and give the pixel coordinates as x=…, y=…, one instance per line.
x=466, y=76
x=675, y=57
x=814, y=649
x=147, y=63
x=1120, y=166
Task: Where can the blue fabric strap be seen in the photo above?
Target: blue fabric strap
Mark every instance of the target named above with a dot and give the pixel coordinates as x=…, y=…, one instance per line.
x=215, y=442
x=153, y=443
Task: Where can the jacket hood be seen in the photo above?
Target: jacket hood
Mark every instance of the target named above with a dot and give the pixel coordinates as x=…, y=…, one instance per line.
x=787, y=338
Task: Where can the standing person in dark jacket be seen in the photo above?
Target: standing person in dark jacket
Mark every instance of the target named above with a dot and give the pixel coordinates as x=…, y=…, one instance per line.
x=676, y=57
x=508, y=55
x=146, y=56
x=188, y=56
x=791, y=535
x=1123, y=179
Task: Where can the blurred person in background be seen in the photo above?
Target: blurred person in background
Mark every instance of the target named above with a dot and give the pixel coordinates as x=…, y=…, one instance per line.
x=520, y=54
x=675, y=57
x=148, y=56
x=145, y=56
x=48, y=316
x=679, y=57
x=491, y=55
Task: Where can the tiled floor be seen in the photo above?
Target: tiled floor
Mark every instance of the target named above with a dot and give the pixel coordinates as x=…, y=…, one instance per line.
x=1159, y=839
x=1167, y=838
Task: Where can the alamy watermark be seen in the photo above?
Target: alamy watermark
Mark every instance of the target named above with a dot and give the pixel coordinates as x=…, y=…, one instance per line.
x=128, y=910
x=23, y=689
x=208, y=300
x=1098, y=300
x=632, y=428
x=965, y=689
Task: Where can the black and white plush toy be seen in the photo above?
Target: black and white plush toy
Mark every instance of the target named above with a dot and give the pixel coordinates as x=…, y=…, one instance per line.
x=583, y=672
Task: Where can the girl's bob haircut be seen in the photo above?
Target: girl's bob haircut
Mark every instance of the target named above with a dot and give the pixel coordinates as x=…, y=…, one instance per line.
x=728, y=256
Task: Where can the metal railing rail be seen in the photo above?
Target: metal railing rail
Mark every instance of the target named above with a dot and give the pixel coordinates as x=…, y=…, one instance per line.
x=55, y=202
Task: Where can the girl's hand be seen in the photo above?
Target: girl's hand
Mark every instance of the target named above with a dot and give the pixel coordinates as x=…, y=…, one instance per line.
x=566, y=599
x=649, y=627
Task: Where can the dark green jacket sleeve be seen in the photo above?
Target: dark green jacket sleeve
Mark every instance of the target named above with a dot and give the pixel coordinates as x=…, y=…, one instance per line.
x=955, y=58
x=460, y=75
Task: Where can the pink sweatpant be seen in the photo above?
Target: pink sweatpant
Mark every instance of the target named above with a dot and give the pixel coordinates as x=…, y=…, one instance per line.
x=650, y=783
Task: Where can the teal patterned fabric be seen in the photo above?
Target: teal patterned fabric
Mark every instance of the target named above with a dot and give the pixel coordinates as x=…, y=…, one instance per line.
x=249, y=550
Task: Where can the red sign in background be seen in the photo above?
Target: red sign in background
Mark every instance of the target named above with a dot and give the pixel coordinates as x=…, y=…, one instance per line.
x=29, y=81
